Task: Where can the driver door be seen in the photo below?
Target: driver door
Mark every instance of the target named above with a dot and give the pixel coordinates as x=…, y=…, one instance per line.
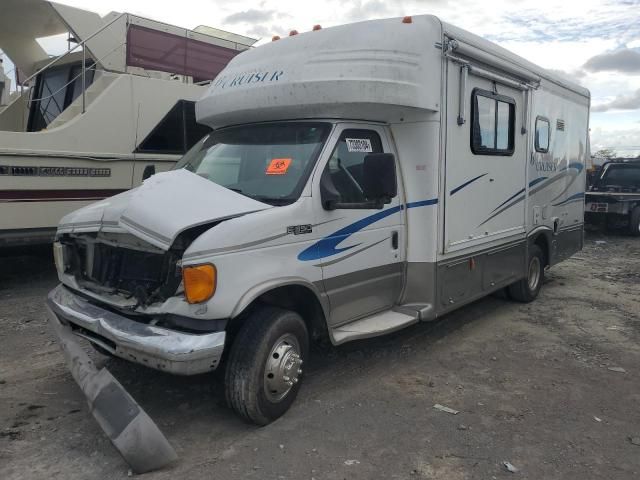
x=361, y=251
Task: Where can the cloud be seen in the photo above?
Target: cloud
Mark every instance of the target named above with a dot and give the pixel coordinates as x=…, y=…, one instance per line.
x=623, y=60
x=625, y=141
x=261, y=31
x=364, y=10
x=621, y=102
x=250, y=16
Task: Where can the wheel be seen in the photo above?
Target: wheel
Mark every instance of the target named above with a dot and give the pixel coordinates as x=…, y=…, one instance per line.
x=263, y=372
x=634, y=221
x=527, y=289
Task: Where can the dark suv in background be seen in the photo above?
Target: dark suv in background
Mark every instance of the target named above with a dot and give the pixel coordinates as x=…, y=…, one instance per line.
x=613, y=199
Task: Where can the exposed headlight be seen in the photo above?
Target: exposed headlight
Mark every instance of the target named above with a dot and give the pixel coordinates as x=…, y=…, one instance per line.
x=59, y=257
x=199, y=282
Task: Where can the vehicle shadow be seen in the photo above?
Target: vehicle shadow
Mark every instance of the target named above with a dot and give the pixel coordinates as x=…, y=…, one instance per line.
x=181, y=404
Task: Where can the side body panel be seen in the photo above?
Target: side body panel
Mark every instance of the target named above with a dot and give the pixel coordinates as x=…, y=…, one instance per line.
x=557, y=177
x=478, y=186
x=494, y=207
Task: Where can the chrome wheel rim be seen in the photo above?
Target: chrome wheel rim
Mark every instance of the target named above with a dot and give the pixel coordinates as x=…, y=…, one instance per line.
x=282, y=370
x=535, y=268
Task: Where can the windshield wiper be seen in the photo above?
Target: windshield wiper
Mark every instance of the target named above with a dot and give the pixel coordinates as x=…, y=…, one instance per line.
x=276, y=202
x=263, y=198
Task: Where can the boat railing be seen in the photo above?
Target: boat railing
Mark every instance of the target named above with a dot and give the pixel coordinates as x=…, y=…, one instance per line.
x=84, y=61
x=92, y=67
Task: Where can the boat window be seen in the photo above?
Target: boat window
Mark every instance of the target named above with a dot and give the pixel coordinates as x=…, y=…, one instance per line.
x=176, y=133
x=543, y=133
x=492, y=130
x=268, y=162
x=346, y=164
x=56, y=88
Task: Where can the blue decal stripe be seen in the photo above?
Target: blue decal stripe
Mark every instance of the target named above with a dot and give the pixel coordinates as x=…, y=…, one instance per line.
x=531, y=184
x=328, y=246
x=576, y=165
x=508, y=199
x=422, y=203
x=466, y=184
x=537, y=181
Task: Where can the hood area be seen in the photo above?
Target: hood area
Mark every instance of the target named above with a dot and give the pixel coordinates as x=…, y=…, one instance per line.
x=161, y=208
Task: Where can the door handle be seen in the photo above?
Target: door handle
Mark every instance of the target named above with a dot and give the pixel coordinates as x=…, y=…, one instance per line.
x=394, y=240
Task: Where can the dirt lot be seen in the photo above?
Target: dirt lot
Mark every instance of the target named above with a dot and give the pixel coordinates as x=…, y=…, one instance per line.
x=533, y=383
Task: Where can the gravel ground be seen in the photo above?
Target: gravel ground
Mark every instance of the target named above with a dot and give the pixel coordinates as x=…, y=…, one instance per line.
x=551, y=387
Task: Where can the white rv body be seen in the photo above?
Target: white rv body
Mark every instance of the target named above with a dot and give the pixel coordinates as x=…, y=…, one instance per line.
x=460, y=226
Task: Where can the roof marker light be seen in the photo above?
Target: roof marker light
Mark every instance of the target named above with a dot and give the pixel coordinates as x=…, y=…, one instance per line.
x=275, y=37
x=317, y=27
x=293, y=32
x=407, y=19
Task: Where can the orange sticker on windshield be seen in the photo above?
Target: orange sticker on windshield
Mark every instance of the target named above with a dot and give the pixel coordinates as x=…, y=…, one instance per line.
x=278, y=166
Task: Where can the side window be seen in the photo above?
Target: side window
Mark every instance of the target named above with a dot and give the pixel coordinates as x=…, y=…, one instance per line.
x=176, y=133
x=543, y=135
x=492, y=130
x=345, y=167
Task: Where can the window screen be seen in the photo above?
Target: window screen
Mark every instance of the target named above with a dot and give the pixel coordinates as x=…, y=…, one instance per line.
x=492, y=130
x=345, y=167
x=176, y=133
x=543, y=133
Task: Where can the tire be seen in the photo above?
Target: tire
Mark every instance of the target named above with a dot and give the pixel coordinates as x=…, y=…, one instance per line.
x=263, y=374
x=634, y=222
x=527, y=289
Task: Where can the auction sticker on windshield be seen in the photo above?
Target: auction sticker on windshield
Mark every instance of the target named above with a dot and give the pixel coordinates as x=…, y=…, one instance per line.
x=278, y=166
x=359, y=145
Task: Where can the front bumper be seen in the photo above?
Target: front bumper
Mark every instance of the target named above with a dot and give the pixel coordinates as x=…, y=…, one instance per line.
x=160, y=348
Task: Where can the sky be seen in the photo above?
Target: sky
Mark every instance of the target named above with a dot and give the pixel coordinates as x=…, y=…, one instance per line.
x=593, y=43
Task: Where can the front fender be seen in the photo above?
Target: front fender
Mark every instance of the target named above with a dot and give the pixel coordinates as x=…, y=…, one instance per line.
x=261, y=288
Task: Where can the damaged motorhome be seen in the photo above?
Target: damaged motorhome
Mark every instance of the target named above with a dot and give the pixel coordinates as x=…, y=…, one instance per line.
x=359, y=179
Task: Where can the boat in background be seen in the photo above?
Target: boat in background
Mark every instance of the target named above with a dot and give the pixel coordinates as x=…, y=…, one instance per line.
x=115, y=108
x=5, y=87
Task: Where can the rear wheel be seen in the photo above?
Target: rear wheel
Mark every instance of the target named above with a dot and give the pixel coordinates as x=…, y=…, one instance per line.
x=634, y=221
x=264, y=373
x=527, y=289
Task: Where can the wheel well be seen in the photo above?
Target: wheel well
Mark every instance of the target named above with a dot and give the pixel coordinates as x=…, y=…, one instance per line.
x=542, y=242
x=297, y=298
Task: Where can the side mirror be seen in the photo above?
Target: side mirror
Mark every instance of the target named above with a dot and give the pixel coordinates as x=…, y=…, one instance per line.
x=379, y=177
x=149, y=171
x=328, y=193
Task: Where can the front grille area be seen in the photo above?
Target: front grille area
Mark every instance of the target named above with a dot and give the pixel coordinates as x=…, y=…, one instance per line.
x=147, y=277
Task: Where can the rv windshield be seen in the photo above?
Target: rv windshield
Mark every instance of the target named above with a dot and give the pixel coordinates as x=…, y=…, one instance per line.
x=267, y=162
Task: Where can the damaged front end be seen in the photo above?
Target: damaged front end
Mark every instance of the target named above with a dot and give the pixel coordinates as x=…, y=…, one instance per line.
x=111, y=282
x=119, y=263
x=122, y=265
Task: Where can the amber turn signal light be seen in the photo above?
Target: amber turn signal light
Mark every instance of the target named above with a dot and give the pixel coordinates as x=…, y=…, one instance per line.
x=199, y=282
